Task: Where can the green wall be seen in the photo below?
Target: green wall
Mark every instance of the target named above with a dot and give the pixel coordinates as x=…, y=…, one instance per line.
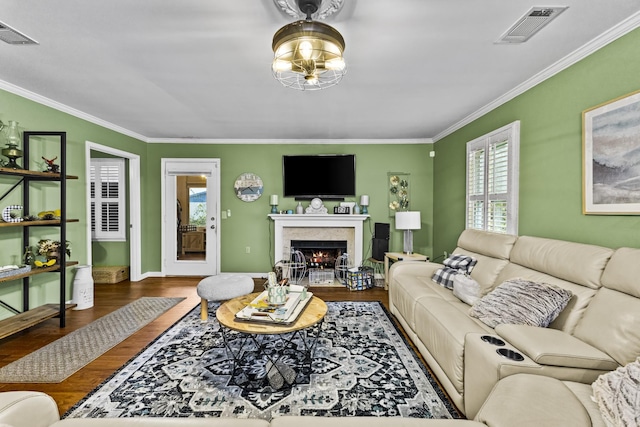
x=35, y=116
x=550, y=153
x=249, y=224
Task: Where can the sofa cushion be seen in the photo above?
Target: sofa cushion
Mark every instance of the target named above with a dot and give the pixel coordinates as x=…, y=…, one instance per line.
x=559, y=258
x=521, y=302
x=441, y=326
x=610, y=323
x=622, y=272
x=527, y=400
x=486, y=270
x=617, y=394
x=494, y=245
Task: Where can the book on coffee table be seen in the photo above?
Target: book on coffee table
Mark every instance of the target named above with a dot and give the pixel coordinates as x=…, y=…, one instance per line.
x=259, y=310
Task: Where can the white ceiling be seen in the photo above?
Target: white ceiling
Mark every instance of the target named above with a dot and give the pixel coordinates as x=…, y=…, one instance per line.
x=159, y=69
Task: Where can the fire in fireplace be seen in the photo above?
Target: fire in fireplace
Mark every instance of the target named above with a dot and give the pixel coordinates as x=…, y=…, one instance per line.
x=320, y=253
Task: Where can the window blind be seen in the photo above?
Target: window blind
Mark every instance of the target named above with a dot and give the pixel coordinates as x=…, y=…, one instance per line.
x=492, y=181
x=107, y=205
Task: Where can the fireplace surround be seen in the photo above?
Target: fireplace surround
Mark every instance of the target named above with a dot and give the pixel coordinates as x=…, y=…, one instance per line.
x=327, y=227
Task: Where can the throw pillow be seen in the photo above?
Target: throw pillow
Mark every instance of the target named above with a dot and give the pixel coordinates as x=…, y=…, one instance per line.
x=453, y=265
x=521, y=302
x=463, y=263
x=466, y=289
x=617, y=394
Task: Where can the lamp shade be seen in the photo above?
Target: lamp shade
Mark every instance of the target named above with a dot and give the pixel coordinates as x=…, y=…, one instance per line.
x=364, y=200
x=409, y=220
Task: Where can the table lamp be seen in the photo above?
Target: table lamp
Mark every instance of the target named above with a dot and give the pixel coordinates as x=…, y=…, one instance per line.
x=408, y=221
x=273, y=201
x=364, y=202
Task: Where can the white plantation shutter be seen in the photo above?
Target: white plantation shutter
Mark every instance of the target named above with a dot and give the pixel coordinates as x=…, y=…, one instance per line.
x=492, y=181
x=107, y=200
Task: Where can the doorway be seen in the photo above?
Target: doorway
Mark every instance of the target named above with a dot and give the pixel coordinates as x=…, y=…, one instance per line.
x=191, y=199
x=135, y=250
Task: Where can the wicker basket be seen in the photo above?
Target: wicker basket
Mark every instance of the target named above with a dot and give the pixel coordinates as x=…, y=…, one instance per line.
x=360, y=279
x=110, y=274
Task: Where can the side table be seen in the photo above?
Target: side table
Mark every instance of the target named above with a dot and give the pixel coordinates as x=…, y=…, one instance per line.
x=399, y=256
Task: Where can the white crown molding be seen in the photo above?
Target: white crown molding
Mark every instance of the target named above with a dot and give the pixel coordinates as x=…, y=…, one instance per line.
x=17, y=90
x=287, y=141
x=587, y=49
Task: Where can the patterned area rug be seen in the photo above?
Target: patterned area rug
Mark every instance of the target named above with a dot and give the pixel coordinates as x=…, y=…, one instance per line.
x=361, y=366
x=63, y=357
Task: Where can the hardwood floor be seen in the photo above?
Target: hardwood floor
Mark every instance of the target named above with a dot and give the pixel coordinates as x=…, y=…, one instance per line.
x=108, y=298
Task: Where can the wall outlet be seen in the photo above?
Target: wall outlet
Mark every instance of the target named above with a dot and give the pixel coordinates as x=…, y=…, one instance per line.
x=247, y=250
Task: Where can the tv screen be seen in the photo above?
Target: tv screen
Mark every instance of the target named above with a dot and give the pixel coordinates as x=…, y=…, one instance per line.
x=327, y=176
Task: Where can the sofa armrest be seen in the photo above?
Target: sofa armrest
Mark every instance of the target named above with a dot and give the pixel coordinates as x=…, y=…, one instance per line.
x=27, y=409
x=413, y=269
x=553, y=347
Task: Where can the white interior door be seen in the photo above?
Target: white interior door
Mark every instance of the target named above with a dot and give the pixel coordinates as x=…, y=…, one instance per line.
x=190, y=213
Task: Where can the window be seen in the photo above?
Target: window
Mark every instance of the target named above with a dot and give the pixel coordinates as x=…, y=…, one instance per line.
x=197, y=206
x=107, y=200
x=492, y=180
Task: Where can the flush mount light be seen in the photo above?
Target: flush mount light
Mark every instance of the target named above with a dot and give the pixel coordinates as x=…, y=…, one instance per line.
x=307, y=53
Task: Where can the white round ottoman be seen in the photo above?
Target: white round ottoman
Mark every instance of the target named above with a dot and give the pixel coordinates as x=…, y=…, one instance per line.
x=221, y=288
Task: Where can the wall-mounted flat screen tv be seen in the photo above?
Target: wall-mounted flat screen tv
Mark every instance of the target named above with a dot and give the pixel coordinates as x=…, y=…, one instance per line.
x=327, y=176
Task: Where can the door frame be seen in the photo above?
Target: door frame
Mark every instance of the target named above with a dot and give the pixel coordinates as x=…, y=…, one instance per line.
x=163, y=188
x=135, y=238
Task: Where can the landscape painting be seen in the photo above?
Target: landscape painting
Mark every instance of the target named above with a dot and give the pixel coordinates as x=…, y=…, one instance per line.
x=611, y=152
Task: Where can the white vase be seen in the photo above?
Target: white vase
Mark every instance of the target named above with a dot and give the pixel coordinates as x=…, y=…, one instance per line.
x=299, y=208
x=83, y=287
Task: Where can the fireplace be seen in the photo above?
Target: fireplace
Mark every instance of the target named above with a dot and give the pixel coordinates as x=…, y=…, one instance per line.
x=320, y=227
x=320, y=253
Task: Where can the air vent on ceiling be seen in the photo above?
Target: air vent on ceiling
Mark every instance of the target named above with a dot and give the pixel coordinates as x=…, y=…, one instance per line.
x=12, y=36
x=532, y=22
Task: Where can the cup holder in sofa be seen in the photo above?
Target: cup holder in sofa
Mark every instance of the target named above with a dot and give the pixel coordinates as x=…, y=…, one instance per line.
x=510, y=354
x=492, y=340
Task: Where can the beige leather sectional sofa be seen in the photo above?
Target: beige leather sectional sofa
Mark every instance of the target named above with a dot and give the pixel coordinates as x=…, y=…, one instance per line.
x=598, y=331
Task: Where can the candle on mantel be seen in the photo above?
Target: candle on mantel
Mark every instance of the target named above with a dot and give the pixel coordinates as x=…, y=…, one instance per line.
x=274, y=200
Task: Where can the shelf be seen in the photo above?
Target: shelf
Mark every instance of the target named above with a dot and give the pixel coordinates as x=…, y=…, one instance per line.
x=43, y=222
x=36, y=270
x=29, y=318
x=45, y=176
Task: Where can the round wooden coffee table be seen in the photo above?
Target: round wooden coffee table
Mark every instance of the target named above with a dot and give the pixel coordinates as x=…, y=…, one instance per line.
x=270, y=356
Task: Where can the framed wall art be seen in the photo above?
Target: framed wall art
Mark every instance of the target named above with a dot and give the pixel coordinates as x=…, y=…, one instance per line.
x=611, y=157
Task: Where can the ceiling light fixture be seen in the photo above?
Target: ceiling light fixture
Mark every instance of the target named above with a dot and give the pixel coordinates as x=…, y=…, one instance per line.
x=307, y=53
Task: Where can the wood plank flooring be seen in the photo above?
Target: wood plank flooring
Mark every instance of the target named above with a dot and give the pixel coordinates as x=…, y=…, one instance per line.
x=109, y=298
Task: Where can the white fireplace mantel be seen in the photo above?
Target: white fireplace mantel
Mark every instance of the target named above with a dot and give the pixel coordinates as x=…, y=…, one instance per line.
x=283, y=221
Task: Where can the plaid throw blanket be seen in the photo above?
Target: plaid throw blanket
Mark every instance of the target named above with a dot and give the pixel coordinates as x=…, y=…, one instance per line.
x=453, y=265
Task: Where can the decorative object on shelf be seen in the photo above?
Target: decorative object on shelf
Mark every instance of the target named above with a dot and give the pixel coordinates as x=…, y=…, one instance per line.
x=273, y=201
x=12, y=152
x=51, y=249
x=364, y=202
x=83, y=288
x=610, y=146
x=51, y=167
x=28, y=258
x=9, y=213
x=49, y=215
x=248, y=187
x=343, y=264
x=408, y=221
x=356, y=209
x=307, y=53
x=299, y=208
x=13, y=270
x=341, y=210
x=316, y=207
x=398, y=192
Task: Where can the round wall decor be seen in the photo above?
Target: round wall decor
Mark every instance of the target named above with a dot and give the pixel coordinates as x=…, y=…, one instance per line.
x=248, y=187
